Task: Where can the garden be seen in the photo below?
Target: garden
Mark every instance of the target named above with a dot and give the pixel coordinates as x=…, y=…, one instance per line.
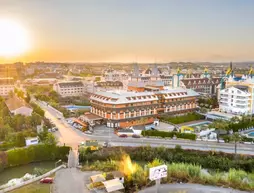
x=184, y=166
x=181, y=119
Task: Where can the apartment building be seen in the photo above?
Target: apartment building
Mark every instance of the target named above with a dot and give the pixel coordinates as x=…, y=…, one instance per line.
x=238, y=96
x=68, y=89
x=130, y=108
x=6, y=86
x=236, y=100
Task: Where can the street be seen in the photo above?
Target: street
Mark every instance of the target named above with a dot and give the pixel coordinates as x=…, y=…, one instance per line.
x=73, y=137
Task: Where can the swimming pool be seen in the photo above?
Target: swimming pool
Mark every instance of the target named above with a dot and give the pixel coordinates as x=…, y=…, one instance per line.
x=76, y=107
x=200, y=124
x=251, y=134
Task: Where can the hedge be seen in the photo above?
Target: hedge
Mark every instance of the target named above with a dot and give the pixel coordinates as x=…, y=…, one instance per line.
x=164, y=134
x=207, y=159
x=182, y=119
x=35, y=153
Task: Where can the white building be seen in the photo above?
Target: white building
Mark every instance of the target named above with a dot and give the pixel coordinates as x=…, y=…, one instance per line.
x=18, y=106
x=68, y=89
x=6, y=86
x=32, y=141
x=236, y=100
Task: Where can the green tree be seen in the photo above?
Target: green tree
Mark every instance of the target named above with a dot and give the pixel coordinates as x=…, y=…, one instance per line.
x=236, y=138
x=20, y=140
x=27, y=98
x=50, y=139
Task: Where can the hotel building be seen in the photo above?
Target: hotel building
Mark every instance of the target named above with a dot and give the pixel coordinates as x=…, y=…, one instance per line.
x=68, y=89
x=141, y=106
x=238, y=96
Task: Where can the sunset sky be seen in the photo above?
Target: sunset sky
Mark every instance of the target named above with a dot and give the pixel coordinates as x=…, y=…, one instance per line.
x=134, y=30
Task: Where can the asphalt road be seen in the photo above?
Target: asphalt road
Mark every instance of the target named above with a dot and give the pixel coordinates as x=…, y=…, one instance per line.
x=65, y=134
x=73, y=137
x=74, y=181
x=189, y=188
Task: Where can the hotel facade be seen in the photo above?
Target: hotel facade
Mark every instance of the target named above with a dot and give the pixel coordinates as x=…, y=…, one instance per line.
x=140, y=107
x=238, y=96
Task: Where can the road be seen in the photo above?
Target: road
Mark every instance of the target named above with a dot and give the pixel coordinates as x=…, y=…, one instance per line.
x=65, y=134
x=75, y=181
x=189, y=188
x=73, y=137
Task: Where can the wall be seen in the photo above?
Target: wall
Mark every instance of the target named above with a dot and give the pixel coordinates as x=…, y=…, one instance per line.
x=8, y=189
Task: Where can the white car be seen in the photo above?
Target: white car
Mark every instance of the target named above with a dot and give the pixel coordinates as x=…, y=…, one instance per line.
x=49, y=130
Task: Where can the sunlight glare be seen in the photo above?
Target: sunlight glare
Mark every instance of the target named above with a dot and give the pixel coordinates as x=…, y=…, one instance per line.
x=13, y=38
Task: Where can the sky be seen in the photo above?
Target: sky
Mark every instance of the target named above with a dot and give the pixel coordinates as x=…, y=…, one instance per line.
x=134, y=30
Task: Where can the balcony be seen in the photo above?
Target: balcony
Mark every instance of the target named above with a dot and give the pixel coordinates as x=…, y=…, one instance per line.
x=224, y=96
x=224, y=100
x=241, y=102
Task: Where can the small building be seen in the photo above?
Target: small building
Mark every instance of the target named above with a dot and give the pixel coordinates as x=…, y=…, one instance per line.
x=18, y=106
x=91, y=119
x=32, y=141
x=97, y=178
x=113, y=185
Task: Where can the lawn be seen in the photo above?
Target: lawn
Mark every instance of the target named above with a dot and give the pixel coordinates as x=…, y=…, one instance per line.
x=35, y=187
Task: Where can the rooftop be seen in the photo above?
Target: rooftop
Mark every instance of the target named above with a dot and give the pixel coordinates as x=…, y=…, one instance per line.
x=113, y=185
x=15, y=103
x=70, y=84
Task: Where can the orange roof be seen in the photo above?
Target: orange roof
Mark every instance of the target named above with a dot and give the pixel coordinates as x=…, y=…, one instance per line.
x=80, y=122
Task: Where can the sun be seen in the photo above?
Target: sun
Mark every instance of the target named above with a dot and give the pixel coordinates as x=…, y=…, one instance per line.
x=14, y=39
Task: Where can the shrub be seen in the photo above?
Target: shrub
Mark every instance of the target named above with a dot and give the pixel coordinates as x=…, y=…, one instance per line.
x=36, y=153
x=164, y=134
x=210, y=160
x=182, y=119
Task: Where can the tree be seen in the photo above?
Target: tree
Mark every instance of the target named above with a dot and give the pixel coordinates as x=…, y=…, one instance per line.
x=50, y=139
x=219, y=124
x=20, y=140
x=28, y=98
x=236, y=138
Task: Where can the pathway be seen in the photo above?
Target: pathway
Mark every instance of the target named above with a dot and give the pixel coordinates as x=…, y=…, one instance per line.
x=72, y=180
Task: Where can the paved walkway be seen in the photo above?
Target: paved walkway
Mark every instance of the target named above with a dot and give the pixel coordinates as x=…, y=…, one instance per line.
x=189, y=188
x=72, y=180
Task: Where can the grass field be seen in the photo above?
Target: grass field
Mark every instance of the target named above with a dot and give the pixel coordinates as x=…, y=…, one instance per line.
x=33, y=188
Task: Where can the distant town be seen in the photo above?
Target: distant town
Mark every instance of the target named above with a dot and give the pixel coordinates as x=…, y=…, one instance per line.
x=85, y=110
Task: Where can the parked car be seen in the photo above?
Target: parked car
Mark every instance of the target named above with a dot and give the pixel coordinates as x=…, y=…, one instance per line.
x=49, y=130
x=56, y=128
x=53, y=129
x=47, y=180
x=123, y=136
x=136, y=136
